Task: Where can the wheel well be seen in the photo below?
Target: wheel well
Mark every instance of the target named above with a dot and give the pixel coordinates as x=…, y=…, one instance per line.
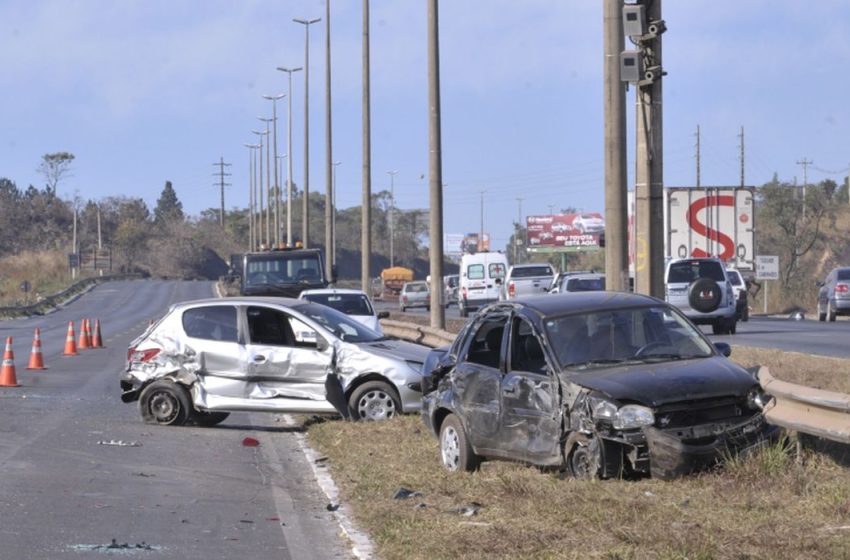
x=440, y=415
x=365, y=379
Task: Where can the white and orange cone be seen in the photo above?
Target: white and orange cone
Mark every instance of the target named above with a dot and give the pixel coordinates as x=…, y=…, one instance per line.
x=8, y=378
x=70, y=343
x=84, y=341
x=97, y=340
x=36, y=358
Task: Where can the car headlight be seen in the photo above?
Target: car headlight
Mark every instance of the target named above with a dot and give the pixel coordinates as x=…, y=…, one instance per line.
x=633, y=416
x=757, y=399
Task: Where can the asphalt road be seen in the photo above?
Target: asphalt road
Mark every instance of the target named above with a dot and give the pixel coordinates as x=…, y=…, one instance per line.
x=79, y=469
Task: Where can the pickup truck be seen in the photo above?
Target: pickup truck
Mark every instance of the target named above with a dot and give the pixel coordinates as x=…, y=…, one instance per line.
x=526, y=280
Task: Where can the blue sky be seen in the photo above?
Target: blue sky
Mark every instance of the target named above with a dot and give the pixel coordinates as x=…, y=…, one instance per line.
x=144, y=91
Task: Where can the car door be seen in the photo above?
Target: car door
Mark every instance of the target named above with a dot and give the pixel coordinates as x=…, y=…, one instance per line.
x=477, y=378
x=212, y=334
x=530, y=413
x=286, y=356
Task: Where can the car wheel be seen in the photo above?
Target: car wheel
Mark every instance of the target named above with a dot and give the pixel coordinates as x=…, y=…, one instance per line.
x=165, y=403
x=463, y=312
x=374, y=400
x=403, y=308
x=717, y=327
x=584, y=461
x=745, y=316
x=821, y=314
x=830, y=313
x=456, y=453
x=205, y=418
x=704, y=295
x=732, y=326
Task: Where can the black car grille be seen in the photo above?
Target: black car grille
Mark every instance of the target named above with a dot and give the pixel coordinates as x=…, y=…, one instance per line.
x=695, y=413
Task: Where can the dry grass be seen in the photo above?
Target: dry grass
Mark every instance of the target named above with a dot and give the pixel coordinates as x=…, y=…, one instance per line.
x=794, y=367
x=766, y=506
x=46, y=271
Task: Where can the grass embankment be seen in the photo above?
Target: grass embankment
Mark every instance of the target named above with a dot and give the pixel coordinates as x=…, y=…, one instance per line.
x=764, y=507
x=47, y=273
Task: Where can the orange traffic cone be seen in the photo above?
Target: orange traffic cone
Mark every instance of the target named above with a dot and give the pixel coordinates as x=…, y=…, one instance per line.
x=7, y=373
x=88, y=333
x=97, y=341
x=83, y=342
x=36, y=359
x=70, y=345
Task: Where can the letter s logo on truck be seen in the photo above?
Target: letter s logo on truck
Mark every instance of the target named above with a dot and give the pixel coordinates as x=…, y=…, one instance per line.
x=700, y=228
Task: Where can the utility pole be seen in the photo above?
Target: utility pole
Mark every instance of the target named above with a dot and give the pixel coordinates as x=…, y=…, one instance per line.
x=259, y=182
x=709, y=249
x=333, y=220
x=805, y=163
x=366, y=225
x=518, y=229
x=269, y=238
x=481, y=229
x=221, y=175
x=616, y=176
x=251, y=226
x=392, y=175
x=330, y=207
x=305, y=206
x=289, y=72
x=274, y=99
x=649, y=174
x=741, y=155
x=435, y=167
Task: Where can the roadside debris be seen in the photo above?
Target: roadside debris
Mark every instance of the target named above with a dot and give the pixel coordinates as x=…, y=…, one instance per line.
x=119, y=443
x=115, y=545
x=404, y=493
x=332, y=507
x=468, y=511
x=250, y=442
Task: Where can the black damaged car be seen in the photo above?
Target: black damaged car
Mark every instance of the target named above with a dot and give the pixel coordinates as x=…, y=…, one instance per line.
x=598, y=383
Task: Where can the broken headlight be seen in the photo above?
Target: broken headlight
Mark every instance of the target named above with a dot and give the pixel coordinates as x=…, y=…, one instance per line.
x=626, y=417
x=757, y=399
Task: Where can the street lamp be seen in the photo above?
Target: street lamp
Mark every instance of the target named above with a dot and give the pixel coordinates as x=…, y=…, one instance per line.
x=274, y=99
x=251, y=228
x=260, y=133
x=305, y=227
x=269, y=239
x=289, y=155
x=333, y=210
x=392, y=175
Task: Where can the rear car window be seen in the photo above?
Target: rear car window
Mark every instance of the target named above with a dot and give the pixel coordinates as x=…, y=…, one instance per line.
x=529, y=271
x=844, y=274
x=496, y=270
x=688, y=271
x=475, y=272
x=216, y=322
x=585, y=284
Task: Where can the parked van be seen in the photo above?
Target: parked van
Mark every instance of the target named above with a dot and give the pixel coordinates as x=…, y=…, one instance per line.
x=481, y=279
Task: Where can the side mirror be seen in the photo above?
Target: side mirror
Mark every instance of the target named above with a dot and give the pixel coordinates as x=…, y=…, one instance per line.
x=723, y=348
x=321, y=344
x=383, y=314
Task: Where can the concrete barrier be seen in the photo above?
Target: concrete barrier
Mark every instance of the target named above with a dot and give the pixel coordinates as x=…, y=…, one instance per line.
x=421, y=334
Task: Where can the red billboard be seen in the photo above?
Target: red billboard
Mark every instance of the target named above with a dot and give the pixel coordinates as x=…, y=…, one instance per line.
x=579, y=231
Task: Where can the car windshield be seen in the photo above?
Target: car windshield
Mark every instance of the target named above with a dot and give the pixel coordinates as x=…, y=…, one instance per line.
x=350, y=304
x=280, y=269
x=688, y=271
x=584, y=341
x=529, y=271
x=585, y=284
x=339, y=324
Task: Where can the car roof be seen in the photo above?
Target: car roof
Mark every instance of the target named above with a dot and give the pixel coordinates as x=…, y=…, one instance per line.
x=280, y=301
x=562, y=304
x=325, y=291
x=586, y=276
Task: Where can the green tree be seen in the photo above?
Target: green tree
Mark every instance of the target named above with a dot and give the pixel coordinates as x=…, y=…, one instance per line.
x=168, y=207
x=55, y=167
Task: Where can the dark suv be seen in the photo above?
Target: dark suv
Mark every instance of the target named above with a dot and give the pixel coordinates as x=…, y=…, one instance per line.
x=834, y=294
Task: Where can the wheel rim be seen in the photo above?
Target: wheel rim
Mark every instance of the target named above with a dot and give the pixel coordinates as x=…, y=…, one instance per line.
x=164, y=407
x=450, y=448
x=376, y=405
x=581, y=463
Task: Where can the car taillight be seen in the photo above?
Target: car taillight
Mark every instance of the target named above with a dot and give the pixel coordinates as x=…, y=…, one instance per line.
x=463, y=291
x=842, y=288
x=512, y=289
x=142, y=355
x=404, y=298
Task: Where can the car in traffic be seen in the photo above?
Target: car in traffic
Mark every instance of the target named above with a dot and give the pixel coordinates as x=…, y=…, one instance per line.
x=582, y=282
x=526, y=279
x=414, y=294
x=354, y=303
x=481, y=279
x=205, y=359
x=739, y=287
x=834, y=294
x=701, y=289
x=451, y=285
x=589, y=223
x=602, y=384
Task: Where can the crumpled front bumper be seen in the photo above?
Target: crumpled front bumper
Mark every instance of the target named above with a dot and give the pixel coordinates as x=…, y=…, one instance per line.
x=671, y=457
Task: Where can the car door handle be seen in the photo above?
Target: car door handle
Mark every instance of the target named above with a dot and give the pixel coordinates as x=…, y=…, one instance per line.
x=510, y=390
x=259, y=359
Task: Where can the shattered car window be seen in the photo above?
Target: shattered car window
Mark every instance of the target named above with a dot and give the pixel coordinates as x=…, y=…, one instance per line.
x=526, y=351
x=486, y=344
x=211, y=323
x=339, y=324
x=608, y=338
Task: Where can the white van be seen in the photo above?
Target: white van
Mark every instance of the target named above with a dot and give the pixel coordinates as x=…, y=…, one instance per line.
x=481, y=278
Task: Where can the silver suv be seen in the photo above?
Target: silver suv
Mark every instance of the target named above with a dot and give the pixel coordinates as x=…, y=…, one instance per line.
x=834, y=294
x=701, y=289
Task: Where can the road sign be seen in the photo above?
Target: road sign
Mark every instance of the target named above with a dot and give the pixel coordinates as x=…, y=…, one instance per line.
x=767, y=267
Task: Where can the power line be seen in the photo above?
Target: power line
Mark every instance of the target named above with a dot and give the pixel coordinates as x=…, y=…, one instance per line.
x=221, y=184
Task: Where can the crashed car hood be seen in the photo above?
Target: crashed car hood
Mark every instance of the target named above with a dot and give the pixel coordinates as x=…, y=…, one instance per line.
x=398, y=349
x=662, y=383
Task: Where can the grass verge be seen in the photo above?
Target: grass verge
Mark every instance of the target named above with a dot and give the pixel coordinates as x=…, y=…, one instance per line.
x=765, y=506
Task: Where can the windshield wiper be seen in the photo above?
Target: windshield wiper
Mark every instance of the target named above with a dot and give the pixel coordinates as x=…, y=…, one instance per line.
x=669, y=356
x=600, y=362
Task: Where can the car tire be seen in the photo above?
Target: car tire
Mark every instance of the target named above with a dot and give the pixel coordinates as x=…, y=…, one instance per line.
x=428, y=308
x=456, y=453
x=830, y=313
x=717, y=327
x=462, y=311
x=208, y=419
x=585, y=462
x=704, y=295
x=165, y=403
x=732, y=326
x=402, y=308
x=821, y=314
x=745, y=316
x=374, y=400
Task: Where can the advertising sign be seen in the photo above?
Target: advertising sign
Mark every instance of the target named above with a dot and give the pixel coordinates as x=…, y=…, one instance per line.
x=470, y=243
x=564, y=232
x=453, y=244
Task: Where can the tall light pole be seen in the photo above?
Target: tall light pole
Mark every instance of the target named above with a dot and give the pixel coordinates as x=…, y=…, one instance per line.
x=392, y=175
x=435, y=167
x=305, y=226
x=274, y=99
x=366, y=225
x=333, y=220
x=251, y=148
x=269, y=238
x=260, y=133
x=481, y=233
x=289, y=71
x=330, y=169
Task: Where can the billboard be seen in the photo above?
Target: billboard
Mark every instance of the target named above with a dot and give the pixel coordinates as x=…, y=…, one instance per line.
x=453, y=244
x=470, y=243
x=569, y=233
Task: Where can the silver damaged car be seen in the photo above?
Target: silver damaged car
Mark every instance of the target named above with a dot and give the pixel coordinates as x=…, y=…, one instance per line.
x=207, y=358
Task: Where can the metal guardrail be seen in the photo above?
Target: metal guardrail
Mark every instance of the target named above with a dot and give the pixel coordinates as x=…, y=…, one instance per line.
x=807, y=410
x=429, y=336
